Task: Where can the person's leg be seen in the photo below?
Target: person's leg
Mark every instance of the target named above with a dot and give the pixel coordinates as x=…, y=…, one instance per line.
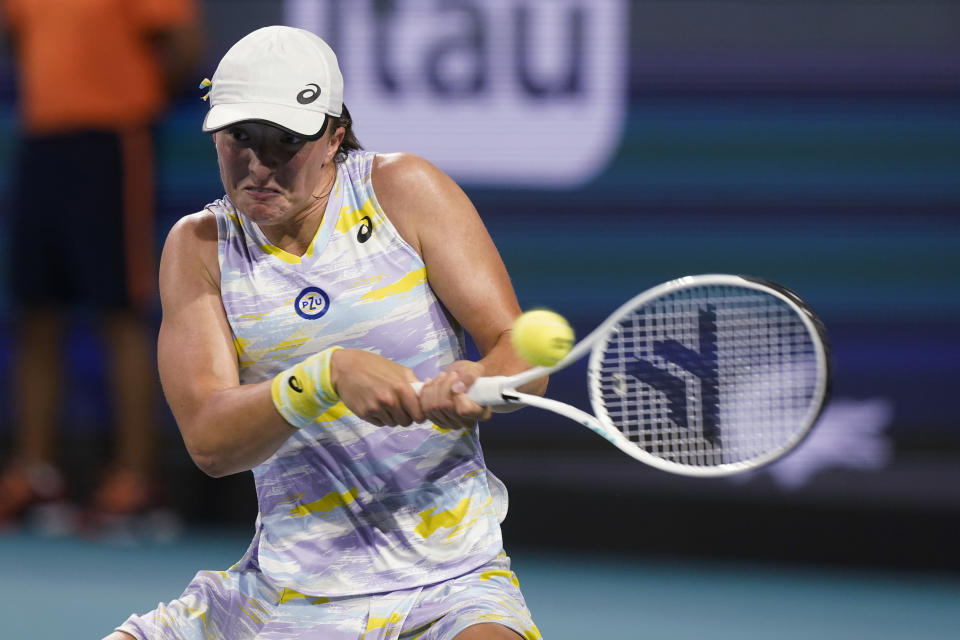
x=114, y=280
x=31, y=477
x=485, y=604
x=227, y=605
x=37, y=385
x=40, y=292
x=41, y=289
x=133, y=378
x=134, y=398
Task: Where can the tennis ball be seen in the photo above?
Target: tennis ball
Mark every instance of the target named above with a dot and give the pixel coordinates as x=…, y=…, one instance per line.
x=542, y=337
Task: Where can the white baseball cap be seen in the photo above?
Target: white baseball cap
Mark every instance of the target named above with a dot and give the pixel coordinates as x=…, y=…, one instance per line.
x=280, y=75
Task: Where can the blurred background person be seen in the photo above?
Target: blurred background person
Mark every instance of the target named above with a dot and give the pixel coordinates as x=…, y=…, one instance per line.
x=94, y=77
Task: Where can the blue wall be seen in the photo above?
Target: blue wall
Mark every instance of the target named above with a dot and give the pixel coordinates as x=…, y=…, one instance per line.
x=810, y=143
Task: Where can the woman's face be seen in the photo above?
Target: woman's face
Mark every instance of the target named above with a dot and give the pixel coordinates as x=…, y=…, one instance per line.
x=272, y=175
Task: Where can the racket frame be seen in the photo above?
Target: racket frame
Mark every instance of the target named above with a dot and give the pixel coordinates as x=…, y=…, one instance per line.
x=500, y=390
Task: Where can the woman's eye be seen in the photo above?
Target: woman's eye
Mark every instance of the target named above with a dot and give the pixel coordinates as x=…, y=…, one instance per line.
x=238, y=134
x=291, y=140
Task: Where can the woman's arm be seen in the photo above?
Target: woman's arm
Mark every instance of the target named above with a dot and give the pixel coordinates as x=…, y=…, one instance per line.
x=226, y=427
x=465, y=270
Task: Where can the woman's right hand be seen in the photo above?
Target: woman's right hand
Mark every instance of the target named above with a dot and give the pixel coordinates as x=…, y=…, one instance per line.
x=375, y=389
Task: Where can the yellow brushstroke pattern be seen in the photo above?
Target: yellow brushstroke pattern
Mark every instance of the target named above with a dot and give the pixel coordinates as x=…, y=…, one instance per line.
x=404, y=284
x=501, y=573
x=253, y=605
x=292, y=343
x=240, y=344
x=335, y=412
x=290, y=594
x=532, y=634
x=256, y=604
x=277, y=252
x=450, y=518
x=303, y=403
x=327, y=503
x=200, y=614
x=379, y=623
x=253, y=317
x=251, y=615
x=349, y=217
x=466, y=524
x=296, y=497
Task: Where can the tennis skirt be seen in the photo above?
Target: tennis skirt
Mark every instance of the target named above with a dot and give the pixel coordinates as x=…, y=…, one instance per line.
x=236, y=605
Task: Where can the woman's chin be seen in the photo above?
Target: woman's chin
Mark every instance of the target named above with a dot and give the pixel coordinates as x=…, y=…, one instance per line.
x=258, y=209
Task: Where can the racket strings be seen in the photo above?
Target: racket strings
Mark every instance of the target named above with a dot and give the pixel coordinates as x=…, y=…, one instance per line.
x=708, y=376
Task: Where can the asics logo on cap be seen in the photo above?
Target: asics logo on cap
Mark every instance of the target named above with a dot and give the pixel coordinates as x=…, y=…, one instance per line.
x=308, y=95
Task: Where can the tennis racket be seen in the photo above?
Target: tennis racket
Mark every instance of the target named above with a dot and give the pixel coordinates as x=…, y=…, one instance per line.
x=706, y=375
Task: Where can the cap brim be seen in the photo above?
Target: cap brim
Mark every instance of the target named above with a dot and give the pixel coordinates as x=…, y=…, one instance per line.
x=307, y=124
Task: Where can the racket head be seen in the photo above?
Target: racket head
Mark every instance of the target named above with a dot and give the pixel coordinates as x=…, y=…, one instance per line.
x=710, y=375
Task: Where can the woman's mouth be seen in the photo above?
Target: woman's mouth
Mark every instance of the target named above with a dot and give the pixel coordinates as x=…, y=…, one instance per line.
x=261, y=193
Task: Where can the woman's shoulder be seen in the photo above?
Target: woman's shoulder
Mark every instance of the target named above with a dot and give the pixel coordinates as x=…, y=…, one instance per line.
x=405, y=177
x=416, y=194
x=404, y=184
x=199, y=226
x=190, y=250
x=195, y=235
x=402, y=166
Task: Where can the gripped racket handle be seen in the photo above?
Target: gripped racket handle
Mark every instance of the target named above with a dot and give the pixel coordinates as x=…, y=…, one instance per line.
x=487, y=391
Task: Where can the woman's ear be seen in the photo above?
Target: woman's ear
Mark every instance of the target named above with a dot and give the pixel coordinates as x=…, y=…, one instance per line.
x=336, y=138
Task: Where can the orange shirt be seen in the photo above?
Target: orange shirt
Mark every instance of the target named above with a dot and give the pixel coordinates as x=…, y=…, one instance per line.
x=89, y=63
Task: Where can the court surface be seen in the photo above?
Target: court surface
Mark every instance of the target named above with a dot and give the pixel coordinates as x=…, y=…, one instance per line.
x=68, y=588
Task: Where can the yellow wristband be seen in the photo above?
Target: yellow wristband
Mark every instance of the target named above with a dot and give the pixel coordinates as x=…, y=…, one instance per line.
x=305, y=391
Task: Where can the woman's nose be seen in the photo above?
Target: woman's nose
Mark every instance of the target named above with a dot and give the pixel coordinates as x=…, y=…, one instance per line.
x=263, y=158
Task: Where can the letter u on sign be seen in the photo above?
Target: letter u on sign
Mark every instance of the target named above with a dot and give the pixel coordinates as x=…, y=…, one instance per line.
x=511, y=92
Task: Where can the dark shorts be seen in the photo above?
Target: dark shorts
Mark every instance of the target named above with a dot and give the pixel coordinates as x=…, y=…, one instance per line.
x=81, y=235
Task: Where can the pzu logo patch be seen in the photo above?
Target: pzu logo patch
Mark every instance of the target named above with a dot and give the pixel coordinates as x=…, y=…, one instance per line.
x=312, y=303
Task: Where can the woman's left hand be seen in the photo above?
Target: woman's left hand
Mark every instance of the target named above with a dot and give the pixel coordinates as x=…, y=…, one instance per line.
x=444, y=399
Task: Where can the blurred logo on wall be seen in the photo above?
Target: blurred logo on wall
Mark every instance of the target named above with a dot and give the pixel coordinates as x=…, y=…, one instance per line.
x=506, y=92
x=851, y=434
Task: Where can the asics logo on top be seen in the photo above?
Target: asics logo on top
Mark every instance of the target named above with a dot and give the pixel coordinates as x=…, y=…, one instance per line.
x=308, y=95
x=295, y=384
x=365, y=230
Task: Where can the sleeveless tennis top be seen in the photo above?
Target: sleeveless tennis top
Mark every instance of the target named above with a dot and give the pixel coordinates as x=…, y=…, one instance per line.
x=346, y=507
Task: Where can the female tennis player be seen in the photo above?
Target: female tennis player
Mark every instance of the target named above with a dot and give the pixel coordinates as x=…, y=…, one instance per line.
x=296, y=312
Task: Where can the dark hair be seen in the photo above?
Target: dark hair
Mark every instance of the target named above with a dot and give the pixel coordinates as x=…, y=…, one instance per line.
x=350, y=142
